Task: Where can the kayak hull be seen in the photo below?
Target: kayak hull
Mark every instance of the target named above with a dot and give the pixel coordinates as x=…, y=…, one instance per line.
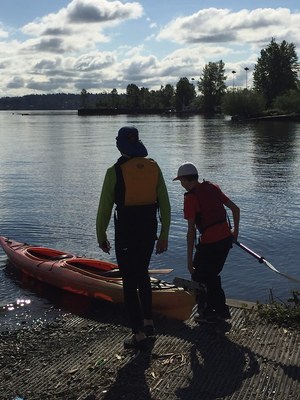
x=90, y=277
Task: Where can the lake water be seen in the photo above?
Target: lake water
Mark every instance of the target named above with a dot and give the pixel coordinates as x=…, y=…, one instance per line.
x=52, y=168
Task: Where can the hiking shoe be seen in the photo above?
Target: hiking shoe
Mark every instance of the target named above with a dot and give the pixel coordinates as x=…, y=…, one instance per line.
x=205, y=318
x=149, y=330
x=132, y=343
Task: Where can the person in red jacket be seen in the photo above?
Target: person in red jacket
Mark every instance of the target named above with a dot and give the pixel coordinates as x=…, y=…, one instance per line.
x=204, y=211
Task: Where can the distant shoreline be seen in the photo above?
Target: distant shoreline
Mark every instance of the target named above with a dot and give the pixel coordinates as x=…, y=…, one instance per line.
x=127, y=111
x=276, y=118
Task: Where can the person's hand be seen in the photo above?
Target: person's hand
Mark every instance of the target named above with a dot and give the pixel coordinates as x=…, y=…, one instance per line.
x=191, y=269
x=235, y=234
x=161, y=246
x=105, y=246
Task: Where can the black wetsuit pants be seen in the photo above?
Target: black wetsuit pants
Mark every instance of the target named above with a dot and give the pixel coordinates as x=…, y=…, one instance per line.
x=208, y=262
x=135, y=236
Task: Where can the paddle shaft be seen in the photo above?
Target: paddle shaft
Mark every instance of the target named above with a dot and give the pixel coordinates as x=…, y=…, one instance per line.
x=160, y=271
x=249, y=251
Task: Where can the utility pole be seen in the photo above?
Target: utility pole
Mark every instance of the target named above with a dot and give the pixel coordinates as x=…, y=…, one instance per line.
x=233, y=73
x=246, y=69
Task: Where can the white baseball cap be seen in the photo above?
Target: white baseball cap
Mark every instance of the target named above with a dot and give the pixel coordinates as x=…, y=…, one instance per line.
x=187, y=168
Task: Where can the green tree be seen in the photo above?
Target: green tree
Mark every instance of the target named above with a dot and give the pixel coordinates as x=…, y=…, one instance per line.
x=276, y=70
x=84, y=98
x=212, y=85
x=133, y=96
x=114, y=98
x=288, y=102
x=167, y=94
x=185, y=93
x=154, y=100
x=243, y=103
x=145, y=98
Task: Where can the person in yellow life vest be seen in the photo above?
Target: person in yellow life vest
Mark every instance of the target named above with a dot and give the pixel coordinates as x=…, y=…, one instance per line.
x=135, y=185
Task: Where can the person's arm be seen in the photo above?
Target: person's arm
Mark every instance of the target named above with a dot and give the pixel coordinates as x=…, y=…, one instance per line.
x=165, y=215
x=190, y=237
x=104, y=209
x=236, y=217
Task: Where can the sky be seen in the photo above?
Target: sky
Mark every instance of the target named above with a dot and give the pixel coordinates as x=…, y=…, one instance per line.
x=64, y=46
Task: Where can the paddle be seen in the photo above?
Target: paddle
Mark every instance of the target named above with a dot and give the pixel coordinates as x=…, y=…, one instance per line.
x=258, y=257
x=115, y=273
x=160, y=271
x=262, y=260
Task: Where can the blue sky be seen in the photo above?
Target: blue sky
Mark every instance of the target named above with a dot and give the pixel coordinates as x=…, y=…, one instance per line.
x=64, y=46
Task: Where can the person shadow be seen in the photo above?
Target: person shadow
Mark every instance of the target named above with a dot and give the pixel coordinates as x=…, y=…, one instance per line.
x=218, y=366
x=215, y=368
x=130, y=382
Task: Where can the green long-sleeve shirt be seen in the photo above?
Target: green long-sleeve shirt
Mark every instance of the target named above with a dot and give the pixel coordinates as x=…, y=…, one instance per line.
x=107, y=199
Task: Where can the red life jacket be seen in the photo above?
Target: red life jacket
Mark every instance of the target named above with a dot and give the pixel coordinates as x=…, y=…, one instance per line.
x=210, y=205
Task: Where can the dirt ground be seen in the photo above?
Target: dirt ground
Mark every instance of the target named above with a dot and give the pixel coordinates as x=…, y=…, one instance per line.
x=83, y=359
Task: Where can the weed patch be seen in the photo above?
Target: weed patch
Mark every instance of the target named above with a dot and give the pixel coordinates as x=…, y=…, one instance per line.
x=282, y=313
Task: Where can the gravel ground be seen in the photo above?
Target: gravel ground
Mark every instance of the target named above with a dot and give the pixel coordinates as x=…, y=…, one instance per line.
x=83, y=359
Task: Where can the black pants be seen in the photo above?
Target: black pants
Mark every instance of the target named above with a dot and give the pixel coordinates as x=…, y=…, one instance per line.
x=135, y=235
x=208, y=262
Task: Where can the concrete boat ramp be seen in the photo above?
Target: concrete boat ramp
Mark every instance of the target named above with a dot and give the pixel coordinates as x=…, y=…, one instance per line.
x=83, y=359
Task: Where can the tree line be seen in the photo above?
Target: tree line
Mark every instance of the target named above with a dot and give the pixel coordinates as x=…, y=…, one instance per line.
x=275, y=86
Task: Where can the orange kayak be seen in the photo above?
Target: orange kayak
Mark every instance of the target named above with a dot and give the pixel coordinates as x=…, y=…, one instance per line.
x=91, y=277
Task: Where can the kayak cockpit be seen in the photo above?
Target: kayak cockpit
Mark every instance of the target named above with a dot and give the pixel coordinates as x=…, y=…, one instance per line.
x=46, y=254
x=94, y=267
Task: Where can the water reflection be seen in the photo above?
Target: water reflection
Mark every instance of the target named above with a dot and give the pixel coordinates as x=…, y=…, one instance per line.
x=274, y=152
x=18, y=303
x=214, y=133
x=44, y=302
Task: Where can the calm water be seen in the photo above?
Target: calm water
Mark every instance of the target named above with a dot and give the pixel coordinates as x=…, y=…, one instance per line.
x=52, y=168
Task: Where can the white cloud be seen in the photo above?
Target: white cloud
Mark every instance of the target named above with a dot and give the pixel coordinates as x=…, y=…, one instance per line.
x=80, y=25
x=3, y=33
x=101, y=11
x=84, y=45
x=94, y=62
x=214, y=25
x=83, y=15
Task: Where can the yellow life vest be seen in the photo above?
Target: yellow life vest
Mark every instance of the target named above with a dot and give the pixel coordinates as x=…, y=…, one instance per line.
x=140, y=181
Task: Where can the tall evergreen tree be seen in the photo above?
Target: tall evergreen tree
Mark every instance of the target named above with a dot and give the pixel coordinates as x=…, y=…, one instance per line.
x=212, y=85
x=276, y=70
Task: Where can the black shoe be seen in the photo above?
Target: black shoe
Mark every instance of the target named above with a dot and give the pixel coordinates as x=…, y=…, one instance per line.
x=223, y=315
x=132, y=343
x=149, y=330
x=206, y=318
